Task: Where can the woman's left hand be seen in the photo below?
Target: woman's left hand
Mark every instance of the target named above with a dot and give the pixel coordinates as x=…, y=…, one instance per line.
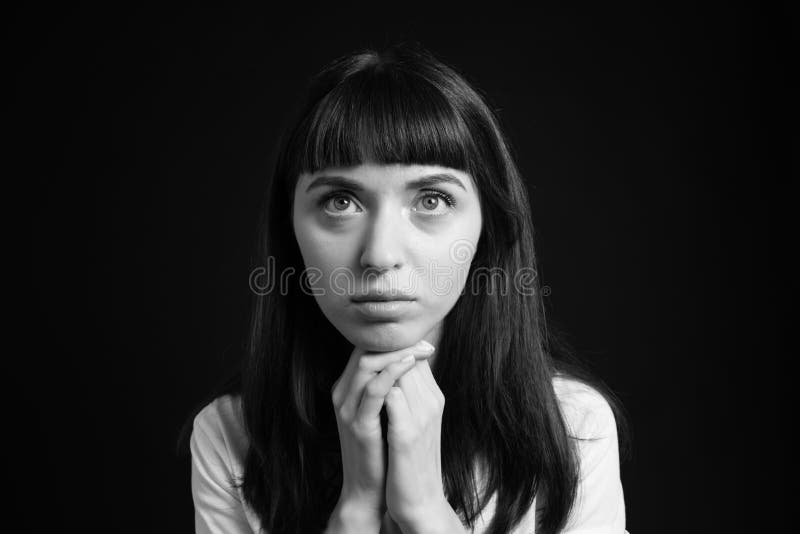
x=414, y=490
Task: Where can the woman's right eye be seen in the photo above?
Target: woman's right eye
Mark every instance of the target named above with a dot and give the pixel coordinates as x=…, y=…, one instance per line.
x=337, y=204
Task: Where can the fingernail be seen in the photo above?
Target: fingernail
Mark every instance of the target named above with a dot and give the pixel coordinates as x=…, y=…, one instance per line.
x=427, y=346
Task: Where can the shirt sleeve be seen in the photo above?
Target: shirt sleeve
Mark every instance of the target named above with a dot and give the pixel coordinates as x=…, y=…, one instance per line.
x=217, y=505
x=600, y=504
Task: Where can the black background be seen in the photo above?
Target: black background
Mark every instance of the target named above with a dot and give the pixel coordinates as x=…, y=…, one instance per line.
x=652, y=140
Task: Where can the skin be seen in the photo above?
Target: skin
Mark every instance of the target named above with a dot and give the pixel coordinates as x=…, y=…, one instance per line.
x=389, y=237
x=380, y=230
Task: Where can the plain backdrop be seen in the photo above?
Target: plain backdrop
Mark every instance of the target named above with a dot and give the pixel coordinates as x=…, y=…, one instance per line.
x=651, y=139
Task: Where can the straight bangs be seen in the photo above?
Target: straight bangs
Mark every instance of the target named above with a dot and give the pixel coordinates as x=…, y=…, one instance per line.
x=384, y=117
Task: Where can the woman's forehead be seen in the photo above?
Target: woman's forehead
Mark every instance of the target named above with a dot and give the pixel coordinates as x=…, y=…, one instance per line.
x=387, y=176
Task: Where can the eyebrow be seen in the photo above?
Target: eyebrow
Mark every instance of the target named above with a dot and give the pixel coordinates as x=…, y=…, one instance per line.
x=423, y=181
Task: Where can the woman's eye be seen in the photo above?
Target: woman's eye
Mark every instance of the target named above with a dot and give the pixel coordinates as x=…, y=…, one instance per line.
x=337, y=204
x=435, y=203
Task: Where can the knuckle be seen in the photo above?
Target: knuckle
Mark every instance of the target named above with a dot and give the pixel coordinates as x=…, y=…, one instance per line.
x=364, y=365
x=343, y=413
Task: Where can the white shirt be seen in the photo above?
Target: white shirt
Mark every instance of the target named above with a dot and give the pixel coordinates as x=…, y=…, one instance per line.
x=219, y=446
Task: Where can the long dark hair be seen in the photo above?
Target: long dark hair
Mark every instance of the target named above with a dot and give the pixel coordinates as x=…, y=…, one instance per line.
x=496, y=358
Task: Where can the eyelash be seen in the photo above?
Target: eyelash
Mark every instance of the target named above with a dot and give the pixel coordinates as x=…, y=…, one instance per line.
x=448, y=199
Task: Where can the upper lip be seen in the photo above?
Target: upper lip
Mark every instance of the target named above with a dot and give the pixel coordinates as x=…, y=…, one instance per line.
x=382, y=296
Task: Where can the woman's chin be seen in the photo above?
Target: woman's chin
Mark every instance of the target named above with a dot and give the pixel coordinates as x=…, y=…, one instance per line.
x=384, y=337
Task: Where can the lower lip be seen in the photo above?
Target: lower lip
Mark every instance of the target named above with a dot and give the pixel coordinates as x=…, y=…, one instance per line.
x=383, y=309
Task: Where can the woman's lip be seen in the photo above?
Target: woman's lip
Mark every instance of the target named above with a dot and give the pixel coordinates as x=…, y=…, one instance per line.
x=358, y=301
x=382, y=309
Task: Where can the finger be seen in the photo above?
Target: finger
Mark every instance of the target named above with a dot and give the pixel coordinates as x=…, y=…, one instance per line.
x=369, y=365
x=342, y=384
x=428, y=398
x=397, y=408
x=426, y=395
x=426, y=373
x=410, y=385
x=377, y=361
x=378, y=387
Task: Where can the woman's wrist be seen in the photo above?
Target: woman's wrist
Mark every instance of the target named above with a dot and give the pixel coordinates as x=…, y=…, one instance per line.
x=350, y=517
x=438, y=518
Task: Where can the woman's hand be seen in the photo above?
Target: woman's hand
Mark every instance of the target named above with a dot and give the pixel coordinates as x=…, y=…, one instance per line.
x=358, y=396
x=414, y=490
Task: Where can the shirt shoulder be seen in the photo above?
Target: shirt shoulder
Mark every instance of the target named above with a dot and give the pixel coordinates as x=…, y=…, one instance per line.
x=586, y=411
x=219, y=447
x=600, y=503
x=221, y=423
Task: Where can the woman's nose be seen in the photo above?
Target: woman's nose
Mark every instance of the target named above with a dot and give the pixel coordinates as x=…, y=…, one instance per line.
x=382, y=246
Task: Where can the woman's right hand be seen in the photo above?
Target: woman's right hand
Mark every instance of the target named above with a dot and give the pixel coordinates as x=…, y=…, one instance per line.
x=358, y=396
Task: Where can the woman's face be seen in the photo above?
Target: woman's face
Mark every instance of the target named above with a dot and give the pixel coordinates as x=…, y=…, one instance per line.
x=406, y=233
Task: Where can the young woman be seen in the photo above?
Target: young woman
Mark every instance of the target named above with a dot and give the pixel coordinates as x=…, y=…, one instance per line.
x=399, y=374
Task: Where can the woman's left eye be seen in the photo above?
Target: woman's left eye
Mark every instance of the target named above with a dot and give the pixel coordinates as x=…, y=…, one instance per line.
x=433, y=202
